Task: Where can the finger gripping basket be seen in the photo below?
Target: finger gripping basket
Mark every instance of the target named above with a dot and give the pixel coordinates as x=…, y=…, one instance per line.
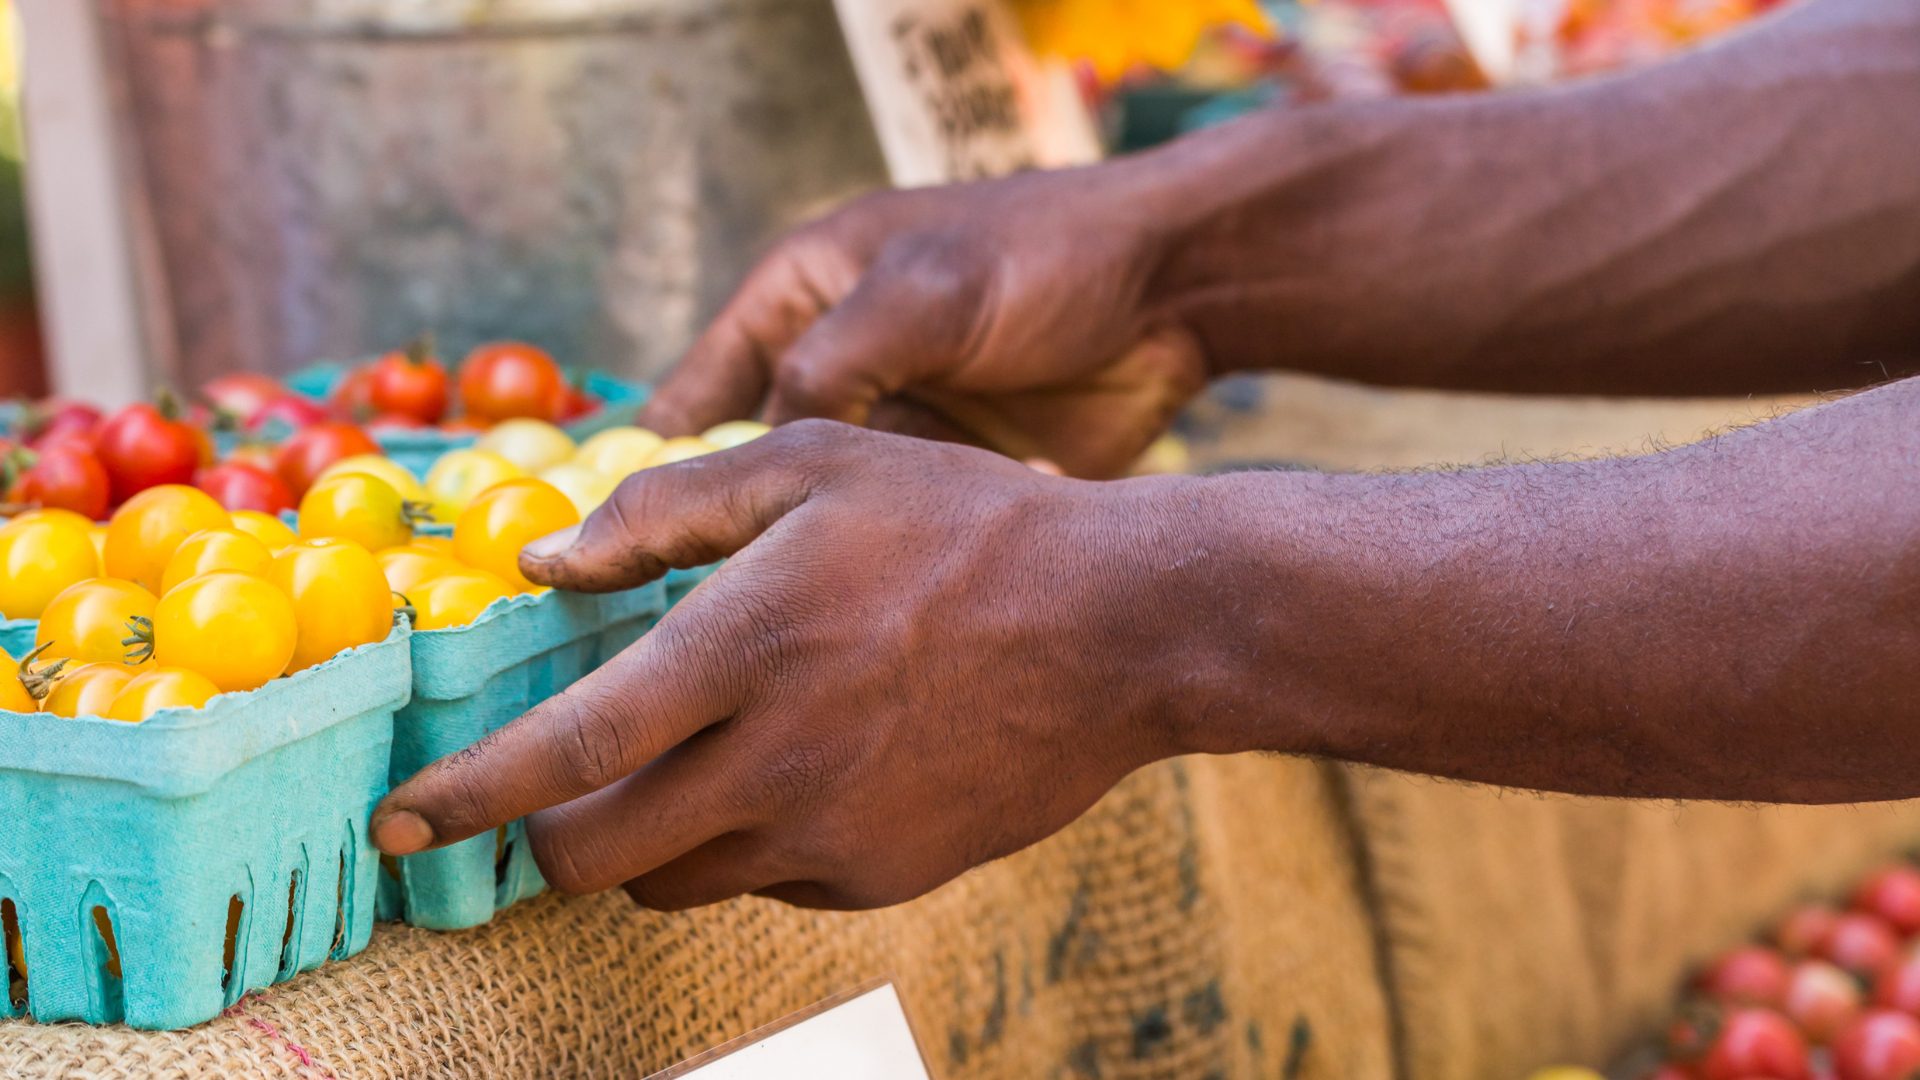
x=468, y=682
x=212, y=851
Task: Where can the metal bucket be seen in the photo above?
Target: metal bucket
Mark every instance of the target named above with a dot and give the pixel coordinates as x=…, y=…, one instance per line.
x=327, y=178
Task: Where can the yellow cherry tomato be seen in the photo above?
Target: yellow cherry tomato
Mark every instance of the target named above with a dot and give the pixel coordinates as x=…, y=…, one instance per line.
x=441, y=544
x=583, y=487
x=384, y=468
x=340, y=598
x=39, y=559
x=407, y=567
x=98, y=534
x=215, y=549
x=269, y=530
x=456, y=599
x=618, y=452
x=734, y=433
x=683, y=449
x=491, y=532
x=161, y=688
x=531, y=444
x=151, y=526
x=54, y=513
x=87, y=690
x=361, y=508
x=461, y=475
x=89, y=623
x=14, y=694
x=236, y=629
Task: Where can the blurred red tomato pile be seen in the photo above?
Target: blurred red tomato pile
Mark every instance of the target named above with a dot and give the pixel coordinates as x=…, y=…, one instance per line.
x=71, y=456
x=1831, y=994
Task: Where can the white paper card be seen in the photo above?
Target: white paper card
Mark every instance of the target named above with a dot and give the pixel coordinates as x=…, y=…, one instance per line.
x=865, y=1037
x=955, y=95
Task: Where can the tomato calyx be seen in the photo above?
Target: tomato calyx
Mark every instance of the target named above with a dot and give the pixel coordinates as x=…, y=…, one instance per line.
x=140, y=644
x=39, y=681
x=405, y=609
x=421, y=351
x=417, y=513
x=168, y=404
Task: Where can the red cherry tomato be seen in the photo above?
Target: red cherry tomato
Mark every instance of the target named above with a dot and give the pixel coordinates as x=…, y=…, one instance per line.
x=64, y=475
x=142, y=448
x=305, y=456
x=410, y=383
x=1805, y=929
x=1893, y=893
x=1898, y=986
x=508, y=380
x=1860, y=943
x=285, y=415
x=243, y=394
x=1882, y=1045
x=1756, y=1042
x=1749, y=975
x=55, y=420
x=237, y=485
x=352, y=399
x=1822, y=999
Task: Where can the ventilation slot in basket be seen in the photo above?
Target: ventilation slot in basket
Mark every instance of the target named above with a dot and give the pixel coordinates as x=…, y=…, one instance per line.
x=289, y=951
x=16, y=963
x=105, y=991
x=230, y=953
x=338, y=950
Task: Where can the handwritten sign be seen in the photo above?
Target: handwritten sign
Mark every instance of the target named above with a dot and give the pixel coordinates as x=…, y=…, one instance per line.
x=862, y=1035
x=955, y=95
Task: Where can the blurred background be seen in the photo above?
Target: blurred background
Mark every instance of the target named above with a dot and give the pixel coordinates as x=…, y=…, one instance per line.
x=229, y=185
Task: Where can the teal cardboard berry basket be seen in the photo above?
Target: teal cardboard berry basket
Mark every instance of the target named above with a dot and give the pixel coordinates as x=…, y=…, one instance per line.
x=468, y=682
x=154, y=873
x=619, y=400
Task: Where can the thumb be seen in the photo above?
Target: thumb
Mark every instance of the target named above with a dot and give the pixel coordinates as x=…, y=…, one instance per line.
x=691, y=513
x=885, y=336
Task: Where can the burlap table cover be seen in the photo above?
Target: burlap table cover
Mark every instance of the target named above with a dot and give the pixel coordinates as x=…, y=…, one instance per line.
x=1523, y=930
x=1185, y=928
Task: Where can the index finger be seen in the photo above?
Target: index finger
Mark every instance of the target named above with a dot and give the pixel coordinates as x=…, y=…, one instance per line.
x=656, y=694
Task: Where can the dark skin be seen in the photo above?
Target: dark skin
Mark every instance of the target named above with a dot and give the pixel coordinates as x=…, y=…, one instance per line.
x=924, y=656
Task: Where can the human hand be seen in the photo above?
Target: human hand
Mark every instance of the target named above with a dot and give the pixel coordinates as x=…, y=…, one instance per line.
x=1011, y=313
x=921, y=657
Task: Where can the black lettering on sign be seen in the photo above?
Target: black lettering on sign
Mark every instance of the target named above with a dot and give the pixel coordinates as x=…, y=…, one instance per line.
x=954, y=65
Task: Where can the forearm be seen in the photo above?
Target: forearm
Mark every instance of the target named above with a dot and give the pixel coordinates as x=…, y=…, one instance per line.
x=1743, y=219
x=1738, y=619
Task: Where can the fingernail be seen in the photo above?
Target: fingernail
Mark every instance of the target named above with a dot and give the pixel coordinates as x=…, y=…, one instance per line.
x=548, y=546
x=402, y=832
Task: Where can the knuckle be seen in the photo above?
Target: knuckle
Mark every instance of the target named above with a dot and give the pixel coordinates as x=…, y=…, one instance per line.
x=813, y=441
x=597, y=737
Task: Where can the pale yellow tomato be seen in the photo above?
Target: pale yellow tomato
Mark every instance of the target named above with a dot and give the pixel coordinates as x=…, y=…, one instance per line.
x=361, y=508
x=41, y=557
x=236, y=629
x=269, y=530
x=407, y=567
x=531, y=444
x=87, y=690
x=160, y=689
x=491, y=532
x=384, y=468
x=461, y=475
x=91, y=622
x=456, y=599
x=618, y=452
x=340, y=598
x=151, y=526
x=583, y=487
x=676, y=450
x=215, y=549
x=734, y=433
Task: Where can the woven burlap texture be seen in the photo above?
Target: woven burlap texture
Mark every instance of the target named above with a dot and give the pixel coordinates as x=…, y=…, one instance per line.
x=1144, y=941
x=1523, y=930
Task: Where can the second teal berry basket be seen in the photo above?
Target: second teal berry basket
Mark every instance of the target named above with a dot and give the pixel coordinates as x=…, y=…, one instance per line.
x=156, y=837
x=467, y=683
